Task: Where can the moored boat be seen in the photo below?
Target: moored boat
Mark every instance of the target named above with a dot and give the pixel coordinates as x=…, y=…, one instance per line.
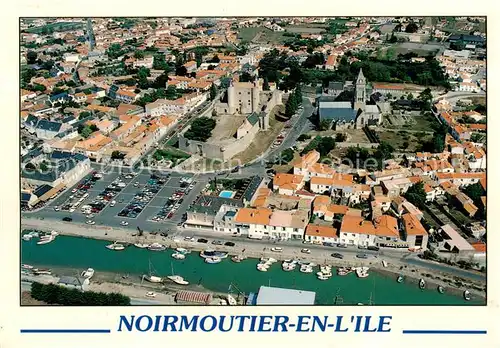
x=323, y=277
x=153, y=279
x=182, y=250
x=231, y=300
x=89, y=273
x=237, y=258
x=306, y=269
x=440, y=289
x=115, y=246
x=178, y=256
x=400, y=279
x=421, y=284
x=178, y=280
x=213, y=253
x=27, y=237
x=45, y=240
x=157, y=247
x=213, y=260
x=26, y=266
x=262, y=267
x=40, y=271
x=467, y=295
x=141, y=245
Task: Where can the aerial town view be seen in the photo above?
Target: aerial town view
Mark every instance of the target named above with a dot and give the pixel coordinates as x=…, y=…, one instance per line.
x=253, y=161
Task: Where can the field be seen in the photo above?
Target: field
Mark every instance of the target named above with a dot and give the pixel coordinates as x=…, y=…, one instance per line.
x=305, y=30
x=248, y=34
x=422, y=50
x=261, y=35
x=411, y=122
x=61, y=26
x=398, y=138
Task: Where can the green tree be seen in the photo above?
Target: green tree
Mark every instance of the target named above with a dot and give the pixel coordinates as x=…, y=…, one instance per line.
x=265, y=85
x=412, y=27
x=84, y=115
x=139, y=54
x=31, y=57
x=201, y=129
x=340, y=137
x=213, y=91
x=326, y=144
x=475, y=192
x=416, y=195
x=325, y=125
x=303, y=137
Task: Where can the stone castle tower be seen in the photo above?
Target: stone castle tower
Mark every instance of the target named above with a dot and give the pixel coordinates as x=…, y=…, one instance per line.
x=360, y=98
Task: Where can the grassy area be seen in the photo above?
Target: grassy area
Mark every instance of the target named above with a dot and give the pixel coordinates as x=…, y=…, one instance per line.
x=62, y=26
x=305, y=30
x=172, y=154
x=248, y=34
x=459, y=216
x=263, y=139
x=399, y=137
x=426, y=122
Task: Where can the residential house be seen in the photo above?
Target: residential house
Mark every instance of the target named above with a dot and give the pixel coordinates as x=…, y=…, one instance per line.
x=354, y=230
x=287, y=184
x=320, y=234
x=413, y=232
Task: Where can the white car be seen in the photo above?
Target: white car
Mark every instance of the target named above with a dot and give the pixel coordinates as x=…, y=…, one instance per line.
x=277, y=249
x=90, y=222
x=89, y=216
x=305, y=251
x=71, y=210
x=112, y=204
x=56, y=208
x=74, y=190
x=124, y=223
x=150, y=294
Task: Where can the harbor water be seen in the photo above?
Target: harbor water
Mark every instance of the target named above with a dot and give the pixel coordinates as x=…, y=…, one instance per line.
x=378, y=289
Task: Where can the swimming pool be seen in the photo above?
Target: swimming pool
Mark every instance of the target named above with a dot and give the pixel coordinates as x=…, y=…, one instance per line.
x=226, y=194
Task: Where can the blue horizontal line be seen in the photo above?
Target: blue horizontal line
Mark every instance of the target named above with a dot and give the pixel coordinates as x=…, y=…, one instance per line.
x=65, y=331
x=446, y=332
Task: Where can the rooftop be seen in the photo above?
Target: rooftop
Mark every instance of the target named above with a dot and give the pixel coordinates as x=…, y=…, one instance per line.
x=280, y=296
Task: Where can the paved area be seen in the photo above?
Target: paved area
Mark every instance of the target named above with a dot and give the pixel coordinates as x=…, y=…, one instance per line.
x=109, y=215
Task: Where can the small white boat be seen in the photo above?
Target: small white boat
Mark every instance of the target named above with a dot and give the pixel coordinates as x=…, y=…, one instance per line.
x=362, y=274
x=400, y=279
x=89, y=273
x=34, y=234
x=384, y=263
x=141, y=245
x=45, y=240
x=306, y=269
x=421, y=284
x=323, y=277
x=27, y=237
x=467, y=295
x=153, y=279
x=116, y=246
x=178, y=280
x=42, y=271
x=231, y=300
x=237, y=259
x=26, y=266
x=182, y=250
x=157, y=247
x=178, y=256
x=213, y=260
x=262, y=268
x=287, y=267
x=54, y=233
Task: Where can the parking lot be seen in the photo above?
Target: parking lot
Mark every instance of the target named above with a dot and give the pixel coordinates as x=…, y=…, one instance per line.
x=114, y=192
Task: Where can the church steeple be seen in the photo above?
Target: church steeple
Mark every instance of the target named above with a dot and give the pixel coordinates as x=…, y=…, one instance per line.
x=361, y=78
x=360, y=97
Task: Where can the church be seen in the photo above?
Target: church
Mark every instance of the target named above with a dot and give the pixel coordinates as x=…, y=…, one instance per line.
x=350, y=114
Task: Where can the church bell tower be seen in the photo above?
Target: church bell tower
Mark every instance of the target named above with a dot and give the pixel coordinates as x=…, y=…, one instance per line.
x=360, y=97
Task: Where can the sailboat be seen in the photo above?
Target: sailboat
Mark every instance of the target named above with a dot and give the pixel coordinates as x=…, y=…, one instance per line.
x=467, y=295
x=421, y=284
x=150, y=277
x=177, y=279
x=89, y=273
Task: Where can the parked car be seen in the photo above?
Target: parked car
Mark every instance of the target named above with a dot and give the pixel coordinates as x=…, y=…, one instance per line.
x=305, y=251
x=202, y=240
x=362, y=256
x=374, y=248
x=340, y=245
x=90, y=222
x=231, y=244
x=67, y=219
x=124, y=223
x=217, y=242
x=277, y=249
x=337, y=256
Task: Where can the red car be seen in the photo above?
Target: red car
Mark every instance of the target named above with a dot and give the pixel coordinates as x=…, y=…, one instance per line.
x=169, y=216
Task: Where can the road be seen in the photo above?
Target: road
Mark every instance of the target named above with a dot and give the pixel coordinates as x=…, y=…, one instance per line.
x=453, y=96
